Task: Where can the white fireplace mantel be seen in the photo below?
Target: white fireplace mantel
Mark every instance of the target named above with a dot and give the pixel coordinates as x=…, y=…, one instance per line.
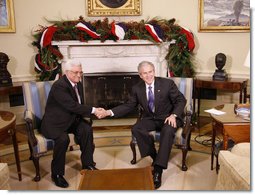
x=110, y=56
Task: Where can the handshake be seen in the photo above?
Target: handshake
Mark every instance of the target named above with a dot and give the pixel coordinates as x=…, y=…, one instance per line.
x=102, y=113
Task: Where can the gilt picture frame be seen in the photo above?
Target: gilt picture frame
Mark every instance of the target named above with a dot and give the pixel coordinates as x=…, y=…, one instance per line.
x=224, y=16
x=7, y=21
x=114, y=7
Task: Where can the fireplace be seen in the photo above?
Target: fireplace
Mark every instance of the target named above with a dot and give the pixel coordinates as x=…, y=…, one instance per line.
x=109, y=89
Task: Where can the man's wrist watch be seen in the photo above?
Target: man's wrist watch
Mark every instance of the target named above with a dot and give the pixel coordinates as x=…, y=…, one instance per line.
x=174, y=115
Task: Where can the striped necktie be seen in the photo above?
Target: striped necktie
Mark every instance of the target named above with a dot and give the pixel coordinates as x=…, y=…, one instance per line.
x=150, y=99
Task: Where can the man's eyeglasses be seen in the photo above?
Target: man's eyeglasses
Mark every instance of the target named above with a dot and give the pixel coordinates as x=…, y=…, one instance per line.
x=76, y=72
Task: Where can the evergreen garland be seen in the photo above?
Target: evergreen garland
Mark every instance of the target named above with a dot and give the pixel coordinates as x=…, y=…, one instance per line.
x=178, y=57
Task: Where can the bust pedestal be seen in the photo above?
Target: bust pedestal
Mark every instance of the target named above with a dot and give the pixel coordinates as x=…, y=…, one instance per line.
x=220, y=75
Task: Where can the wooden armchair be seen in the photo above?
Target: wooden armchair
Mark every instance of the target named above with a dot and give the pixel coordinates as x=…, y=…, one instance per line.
x=182, y=138
x=35, y=98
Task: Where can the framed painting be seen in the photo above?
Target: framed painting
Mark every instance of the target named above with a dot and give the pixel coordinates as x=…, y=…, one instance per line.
x=7, y=22
x=114, y=7
x=224, y=16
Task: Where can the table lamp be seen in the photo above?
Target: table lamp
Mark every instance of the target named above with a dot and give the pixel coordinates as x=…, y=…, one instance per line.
x=247, y=60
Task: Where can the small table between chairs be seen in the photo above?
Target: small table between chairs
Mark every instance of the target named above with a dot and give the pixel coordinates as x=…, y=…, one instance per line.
x=8, y=128
x=230, y=125
x=117, y=179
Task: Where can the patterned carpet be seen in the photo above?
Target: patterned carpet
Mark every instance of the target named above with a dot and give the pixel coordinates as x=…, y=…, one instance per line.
x=119, y=157
x=102, y=138
x=108, y=136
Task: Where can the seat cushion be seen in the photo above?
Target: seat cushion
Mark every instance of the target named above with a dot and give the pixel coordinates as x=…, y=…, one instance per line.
x=179, y=140
x=242, y=149
x=45, y=144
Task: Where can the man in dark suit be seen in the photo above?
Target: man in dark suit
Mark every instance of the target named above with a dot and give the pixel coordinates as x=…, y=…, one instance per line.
x=163, y=108
x=64, y=114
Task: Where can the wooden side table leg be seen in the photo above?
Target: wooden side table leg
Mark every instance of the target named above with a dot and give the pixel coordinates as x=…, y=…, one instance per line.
x=225, y=141
x=244, y=94
x=241, y=96
x=213, y=143
x=198, y=102
x=16, y=152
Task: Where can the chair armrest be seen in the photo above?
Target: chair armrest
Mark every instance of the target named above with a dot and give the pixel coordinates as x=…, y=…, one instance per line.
x=187, y=125
x=28, y=117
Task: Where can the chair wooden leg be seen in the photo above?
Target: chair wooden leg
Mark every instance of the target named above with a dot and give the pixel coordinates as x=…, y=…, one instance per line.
x=189, y=147
x=37, y=169
x=31, y=152
x=184, y=155
x=132, y=146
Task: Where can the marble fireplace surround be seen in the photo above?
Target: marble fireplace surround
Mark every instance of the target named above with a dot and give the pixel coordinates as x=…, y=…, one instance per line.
x=122, y=56
x=110, y=56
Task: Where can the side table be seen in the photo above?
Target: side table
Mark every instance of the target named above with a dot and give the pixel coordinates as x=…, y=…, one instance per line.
x=10, y=90
x=8, y=128
x=232, y=84
x=230, y=126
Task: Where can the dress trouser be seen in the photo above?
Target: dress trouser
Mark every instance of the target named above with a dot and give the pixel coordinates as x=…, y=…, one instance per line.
x=84, y=137
x=145, y=144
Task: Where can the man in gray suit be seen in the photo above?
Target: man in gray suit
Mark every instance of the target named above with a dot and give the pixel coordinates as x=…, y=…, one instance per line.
x=64, y=114
x=163, y=109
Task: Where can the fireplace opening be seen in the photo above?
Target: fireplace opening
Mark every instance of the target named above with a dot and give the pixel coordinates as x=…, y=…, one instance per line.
x=109, y=89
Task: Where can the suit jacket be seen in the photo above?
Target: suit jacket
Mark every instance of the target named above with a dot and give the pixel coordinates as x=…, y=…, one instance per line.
x=62, y=108
x=167, y=100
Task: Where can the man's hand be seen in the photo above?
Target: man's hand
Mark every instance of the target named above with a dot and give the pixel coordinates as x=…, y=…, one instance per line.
x=171, y=120
x=102, y=113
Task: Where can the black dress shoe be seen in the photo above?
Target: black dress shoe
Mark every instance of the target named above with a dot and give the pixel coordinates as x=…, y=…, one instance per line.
x=90, y=167
x=60, y=181
x=157, y=179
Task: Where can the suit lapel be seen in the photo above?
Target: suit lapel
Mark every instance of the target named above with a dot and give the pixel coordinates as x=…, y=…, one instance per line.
x=80, y=89
x=143, y=96
x=71, y=88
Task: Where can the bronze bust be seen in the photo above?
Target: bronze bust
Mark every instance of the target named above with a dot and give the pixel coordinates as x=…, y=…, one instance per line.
x=220, y=61
x=5, y=76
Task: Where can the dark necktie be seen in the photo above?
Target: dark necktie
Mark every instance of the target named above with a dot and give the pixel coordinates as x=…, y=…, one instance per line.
x=150, y=99
x=77, y=94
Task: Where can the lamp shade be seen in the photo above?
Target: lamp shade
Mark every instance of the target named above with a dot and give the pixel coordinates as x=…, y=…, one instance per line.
x=247, y=60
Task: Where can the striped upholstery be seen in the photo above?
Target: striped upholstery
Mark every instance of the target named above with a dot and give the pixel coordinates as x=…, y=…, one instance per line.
x=185, y=85
x=35, y=98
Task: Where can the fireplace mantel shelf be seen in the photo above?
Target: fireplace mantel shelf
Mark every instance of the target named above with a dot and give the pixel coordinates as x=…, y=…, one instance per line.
x=106, y=43
x=114, y=56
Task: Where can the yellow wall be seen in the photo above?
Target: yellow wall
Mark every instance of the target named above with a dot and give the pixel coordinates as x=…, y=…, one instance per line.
x=31, y=13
